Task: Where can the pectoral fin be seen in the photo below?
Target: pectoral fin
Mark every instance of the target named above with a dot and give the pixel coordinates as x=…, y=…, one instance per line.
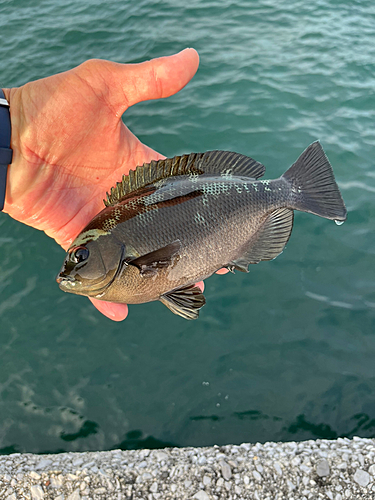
x=162, y=257
x=185, y=302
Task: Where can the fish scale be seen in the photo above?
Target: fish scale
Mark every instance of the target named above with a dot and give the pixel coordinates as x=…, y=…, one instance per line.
x=174, y=222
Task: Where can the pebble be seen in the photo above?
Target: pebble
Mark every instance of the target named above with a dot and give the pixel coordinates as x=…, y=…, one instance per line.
x=256, y=475
x=277, y=467
x=34, y=475
x=322, y=468
x=56, y=482
x=226, y=471
x=43, y=464
x=201, y=495
x=154, y=487
x=74, y=496
x=206, y=480
x=37, y=492
x=361, y=477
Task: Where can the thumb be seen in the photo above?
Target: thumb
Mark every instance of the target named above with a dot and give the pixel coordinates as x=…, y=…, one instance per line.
x=154, y=79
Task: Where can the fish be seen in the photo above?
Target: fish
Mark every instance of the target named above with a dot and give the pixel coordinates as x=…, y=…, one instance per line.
x=171, y=223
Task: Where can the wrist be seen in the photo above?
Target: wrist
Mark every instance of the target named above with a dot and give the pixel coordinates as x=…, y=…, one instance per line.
x=6, y=152
x=18, y=170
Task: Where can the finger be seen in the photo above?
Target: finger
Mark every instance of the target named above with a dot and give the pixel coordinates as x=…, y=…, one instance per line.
x=224, y=270
x=155, y=79
x=116, y=312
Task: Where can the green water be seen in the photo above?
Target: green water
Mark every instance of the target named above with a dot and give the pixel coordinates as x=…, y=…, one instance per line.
x=284, y=353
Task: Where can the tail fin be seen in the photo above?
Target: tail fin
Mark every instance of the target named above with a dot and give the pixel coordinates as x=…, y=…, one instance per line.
x=313, y=185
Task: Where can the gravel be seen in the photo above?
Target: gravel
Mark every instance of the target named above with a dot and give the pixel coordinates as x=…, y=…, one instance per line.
x=335, y=470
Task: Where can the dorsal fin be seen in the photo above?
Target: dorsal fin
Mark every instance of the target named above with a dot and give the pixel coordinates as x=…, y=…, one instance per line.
x=211, y=162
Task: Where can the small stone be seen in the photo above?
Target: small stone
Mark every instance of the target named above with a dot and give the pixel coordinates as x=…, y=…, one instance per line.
x=206, y=480
x=37, y=492
x=99, y=491
x=304, y=468
x=259, y=468
x=75, y=495
x=237, y=490
x=296, y=461
x=290, y=485
x=201, y=495
x=202, y=460
x=322, y=468
x=226, y=471
x=143, y=464
x=361, y=477
x=277, y=467
x=338, y=497
x=11, y=497
x=246, y=480
x=154, y=487
x=187, y=484
x=161, y=455
x=56, y=482
x=372, y=470
x=43, y=464
x=256, y=475
x=34, y=475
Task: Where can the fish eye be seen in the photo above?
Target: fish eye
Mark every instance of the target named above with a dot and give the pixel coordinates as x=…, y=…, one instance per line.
x=79, y=254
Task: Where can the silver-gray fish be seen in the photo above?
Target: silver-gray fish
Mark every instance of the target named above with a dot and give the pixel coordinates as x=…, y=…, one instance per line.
x=174, y=222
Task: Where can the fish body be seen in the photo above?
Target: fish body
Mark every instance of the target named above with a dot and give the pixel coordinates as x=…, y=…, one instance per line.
x=174, y=222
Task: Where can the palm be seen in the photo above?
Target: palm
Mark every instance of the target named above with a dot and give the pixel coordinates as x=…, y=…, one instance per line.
x=71, y=145
x=75, y=146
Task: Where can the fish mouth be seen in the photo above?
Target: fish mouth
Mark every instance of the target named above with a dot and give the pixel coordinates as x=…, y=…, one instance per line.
x=67, y=283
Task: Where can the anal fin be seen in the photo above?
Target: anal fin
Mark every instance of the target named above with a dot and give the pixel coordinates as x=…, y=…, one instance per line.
x=269, y=241
x=185, y=302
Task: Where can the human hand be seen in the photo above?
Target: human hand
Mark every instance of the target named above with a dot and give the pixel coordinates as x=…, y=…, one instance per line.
x=70, y=145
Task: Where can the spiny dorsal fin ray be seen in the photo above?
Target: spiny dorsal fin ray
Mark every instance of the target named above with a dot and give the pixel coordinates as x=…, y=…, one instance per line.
x=211, y=163
x=269, y=241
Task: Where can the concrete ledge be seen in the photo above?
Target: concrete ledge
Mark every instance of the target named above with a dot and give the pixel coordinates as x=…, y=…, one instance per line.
x=334, y=470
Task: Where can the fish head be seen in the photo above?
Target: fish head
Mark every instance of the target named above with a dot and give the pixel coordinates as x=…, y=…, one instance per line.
x=90, y=266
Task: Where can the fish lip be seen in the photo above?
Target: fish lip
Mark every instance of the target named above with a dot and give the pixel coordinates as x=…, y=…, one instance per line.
x=66, y=283
x=61, y=278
